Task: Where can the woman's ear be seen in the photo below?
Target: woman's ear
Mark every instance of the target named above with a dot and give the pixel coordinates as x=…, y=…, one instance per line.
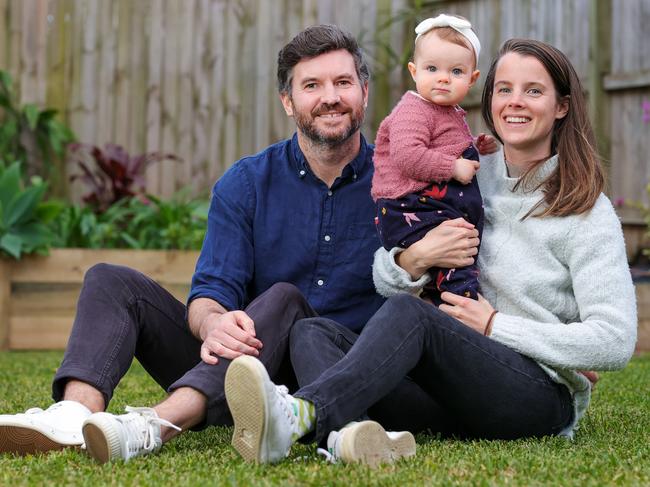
x=563, y=107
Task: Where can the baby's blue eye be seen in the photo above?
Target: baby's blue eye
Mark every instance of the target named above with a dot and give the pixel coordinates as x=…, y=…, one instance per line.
x=457, y=71
x=432, y=69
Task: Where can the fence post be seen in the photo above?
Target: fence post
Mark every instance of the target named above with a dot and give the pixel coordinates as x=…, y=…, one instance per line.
x=5, y=290
x=600, y=26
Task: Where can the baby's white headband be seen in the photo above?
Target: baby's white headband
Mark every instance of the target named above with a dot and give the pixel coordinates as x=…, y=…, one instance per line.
x=462, y=26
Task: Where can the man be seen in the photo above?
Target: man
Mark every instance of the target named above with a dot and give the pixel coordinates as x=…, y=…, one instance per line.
x=299, y=212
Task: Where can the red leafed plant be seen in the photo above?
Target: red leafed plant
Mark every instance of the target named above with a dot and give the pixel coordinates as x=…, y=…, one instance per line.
x=117, y=174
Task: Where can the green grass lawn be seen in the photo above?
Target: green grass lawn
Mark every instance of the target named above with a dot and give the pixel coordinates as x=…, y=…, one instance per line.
x=612, y=446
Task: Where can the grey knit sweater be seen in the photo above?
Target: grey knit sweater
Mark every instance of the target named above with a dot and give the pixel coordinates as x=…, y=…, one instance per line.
x=562, y=285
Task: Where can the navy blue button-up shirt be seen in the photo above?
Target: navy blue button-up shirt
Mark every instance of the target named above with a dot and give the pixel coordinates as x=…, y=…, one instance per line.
x=272, y=220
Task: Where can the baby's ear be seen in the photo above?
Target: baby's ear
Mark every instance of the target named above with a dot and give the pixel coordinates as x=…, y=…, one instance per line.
x=412, y=69
x=474, y=77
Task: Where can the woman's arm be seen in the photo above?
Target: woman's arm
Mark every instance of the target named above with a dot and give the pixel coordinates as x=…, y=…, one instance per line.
x=451, y=244
x=604, y=334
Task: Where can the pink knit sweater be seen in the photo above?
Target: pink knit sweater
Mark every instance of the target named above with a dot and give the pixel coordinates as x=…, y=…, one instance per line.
x=416, y=145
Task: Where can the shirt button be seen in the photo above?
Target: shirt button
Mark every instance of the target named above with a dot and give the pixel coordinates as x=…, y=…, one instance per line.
x=354, y=177
x=329, y=193
x=320, y=282
x=302, y=172
x=327, y=238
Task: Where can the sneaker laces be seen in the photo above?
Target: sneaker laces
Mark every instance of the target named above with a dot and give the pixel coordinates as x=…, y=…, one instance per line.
x=329, y=456
x=139, y=438
x=286, y=400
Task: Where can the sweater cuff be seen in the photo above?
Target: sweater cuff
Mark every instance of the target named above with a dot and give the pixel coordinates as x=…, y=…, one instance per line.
x=390, y=279
x=445, y=169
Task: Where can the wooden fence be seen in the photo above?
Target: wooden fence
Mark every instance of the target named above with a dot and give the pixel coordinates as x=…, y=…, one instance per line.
x=197, y=77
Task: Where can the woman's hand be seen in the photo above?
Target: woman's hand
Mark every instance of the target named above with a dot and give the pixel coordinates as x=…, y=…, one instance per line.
x=473, y=313
x=486, y=144
x=453, y=243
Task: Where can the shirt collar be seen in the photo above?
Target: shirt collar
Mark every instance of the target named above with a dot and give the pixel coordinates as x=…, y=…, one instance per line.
x=353, y=169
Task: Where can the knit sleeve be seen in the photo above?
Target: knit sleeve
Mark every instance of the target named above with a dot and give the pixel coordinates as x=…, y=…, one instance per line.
x=410, y=134
x=390, y=279
x=604, y=334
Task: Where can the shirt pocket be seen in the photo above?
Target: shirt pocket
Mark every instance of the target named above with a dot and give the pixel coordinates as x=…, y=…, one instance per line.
x=358, y=245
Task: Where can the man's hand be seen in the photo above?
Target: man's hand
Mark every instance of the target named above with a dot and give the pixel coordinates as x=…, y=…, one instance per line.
x=473, y=313
x=228, y=335
x=464, y=170
x=486, y=144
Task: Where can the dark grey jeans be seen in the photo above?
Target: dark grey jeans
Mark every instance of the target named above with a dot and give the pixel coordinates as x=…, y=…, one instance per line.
x=122, y=314
x=415, y=368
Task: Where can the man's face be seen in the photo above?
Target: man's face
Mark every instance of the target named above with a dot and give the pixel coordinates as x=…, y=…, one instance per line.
x=327, y=99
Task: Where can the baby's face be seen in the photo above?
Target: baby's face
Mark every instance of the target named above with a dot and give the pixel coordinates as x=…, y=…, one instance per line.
x=443, y=71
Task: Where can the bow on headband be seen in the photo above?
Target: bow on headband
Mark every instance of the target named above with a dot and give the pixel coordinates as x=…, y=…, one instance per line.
x=462, y=26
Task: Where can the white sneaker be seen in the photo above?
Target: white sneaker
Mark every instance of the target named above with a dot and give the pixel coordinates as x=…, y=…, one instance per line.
x=368, y=443
x=112, y=437
x=265, y=422
x=37, y=430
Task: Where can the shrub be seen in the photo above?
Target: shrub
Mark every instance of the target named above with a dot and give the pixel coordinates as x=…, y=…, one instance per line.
x=31, y=136
x=24, y=217
x=132, y=223
x=116, y=175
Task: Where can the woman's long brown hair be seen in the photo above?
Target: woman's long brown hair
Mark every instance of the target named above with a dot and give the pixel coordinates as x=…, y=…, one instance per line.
x=574, y=186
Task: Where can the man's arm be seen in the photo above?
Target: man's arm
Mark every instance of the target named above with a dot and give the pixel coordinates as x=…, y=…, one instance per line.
x=227, y=334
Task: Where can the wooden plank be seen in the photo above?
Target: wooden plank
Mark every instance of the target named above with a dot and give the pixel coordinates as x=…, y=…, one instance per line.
x=216, y=56
x=122, y=123
x=107, y=45
x=170, y=85
x=4, y=34
x=39, y=333
x=643, y=306
x=5, y=293
x=599, y=63
x=154, y=92
x=627, y=80
x=201, y=80
x=185, y=107
x=70, y=265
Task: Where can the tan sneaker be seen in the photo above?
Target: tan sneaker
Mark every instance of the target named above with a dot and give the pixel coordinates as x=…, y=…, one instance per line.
x=368, y=443
x=37, y=430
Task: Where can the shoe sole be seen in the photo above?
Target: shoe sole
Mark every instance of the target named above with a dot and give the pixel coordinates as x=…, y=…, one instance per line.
x=244, y=387
x=27, y=441
x=102, y=441
x=368, y=443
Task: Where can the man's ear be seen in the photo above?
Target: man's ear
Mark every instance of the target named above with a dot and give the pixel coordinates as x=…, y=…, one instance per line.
x=285, y=98
x=474, y=77
x=365, y=94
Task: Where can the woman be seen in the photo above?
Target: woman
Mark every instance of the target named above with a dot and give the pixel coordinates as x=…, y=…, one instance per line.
x=558, y=299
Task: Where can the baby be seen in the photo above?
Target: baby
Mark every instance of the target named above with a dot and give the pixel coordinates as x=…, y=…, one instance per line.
x=425, y=159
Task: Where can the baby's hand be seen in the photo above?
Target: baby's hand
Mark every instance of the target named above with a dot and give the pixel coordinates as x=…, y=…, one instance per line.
x=464, y=170
x=486, y=144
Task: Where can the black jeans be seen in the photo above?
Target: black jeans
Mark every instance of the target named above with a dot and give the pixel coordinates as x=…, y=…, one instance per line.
x=122, y=314
x=415, y=368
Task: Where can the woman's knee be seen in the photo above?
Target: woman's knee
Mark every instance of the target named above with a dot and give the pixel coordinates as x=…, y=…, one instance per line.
x=314, y=330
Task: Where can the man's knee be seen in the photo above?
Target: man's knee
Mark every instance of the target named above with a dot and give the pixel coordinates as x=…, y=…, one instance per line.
x=285, y=291
x=111, y=276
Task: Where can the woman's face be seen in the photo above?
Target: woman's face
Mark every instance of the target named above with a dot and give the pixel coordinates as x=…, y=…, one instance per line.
x=524, y=107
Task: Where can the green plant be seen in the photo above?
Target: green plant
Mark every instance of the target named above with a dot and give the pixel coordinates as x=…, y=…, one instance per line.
x=179, y=223
x=117, y=175
x=23, y=214
x=31, y=135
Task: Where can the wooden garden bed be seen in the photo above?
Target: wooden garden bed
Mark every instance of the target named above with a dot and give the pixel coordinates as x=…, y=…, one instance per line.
x=38, y=295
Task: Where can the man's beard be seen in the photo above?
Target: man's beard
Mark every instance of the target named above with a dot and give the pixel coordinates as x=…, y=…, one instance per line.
x=306, y=123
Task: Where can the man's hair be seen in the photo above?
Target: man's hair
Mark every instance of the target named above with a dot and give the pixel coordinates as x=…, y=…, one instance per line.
x=576, y=183
x=312, y=42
